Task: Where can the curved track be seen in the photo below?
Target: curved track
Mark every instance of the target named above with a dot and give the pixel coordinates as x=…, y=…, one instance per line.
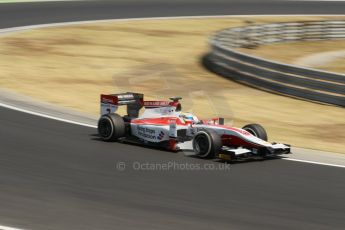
x=55, y=175
x=50, y=12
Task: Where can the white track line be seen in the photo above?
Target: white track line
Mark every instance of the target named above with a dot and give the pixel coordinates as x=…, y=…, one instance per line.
x=9, y=228
x=22, y=28
x=23, y=1
x=46, y=116
x=317, y=0
x=314, y=162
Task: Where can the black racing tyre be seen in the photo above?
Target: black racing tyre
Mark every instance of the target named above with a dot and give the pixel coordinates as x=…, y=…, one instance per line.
x=206, y=144
x=256, y=130
x=111, y=127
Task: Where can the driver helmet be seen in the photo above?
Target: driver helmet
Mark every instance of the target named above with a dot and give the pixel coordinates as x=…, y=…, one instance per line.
x=189, y=117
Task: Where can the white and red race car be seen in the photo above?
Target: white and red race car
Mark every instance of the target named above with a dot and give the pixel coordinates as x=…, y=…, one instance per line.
x=163, y=124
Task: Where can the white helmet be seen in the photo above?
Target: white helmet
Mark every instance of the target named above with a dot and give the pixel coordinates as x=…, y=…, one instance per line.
x=189, y=117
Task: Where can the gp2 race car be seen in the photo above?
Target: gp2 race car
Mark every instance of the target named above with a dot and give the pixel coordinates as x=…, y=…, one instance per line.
x=163, y=124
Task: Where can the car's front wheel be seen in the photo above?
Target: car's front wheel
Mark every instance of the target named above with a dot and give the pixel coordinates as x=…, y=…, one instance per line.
x=256, y=130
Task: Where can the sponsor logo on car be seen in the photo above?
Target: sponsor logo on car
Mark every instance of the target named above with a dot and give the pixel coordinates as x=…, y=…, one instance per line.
x=160, y=135
x=147, y=133
x=108, y=99
x=155, y=103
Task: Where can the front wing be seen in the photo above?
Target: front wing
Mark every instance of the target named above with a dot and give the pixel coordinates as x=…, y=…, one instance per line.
x=262, y=152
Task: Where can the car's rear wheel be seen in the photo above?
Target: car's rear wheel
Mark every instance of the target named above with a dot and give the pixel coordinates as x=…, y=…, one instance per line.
x=256, y=130
x=206, y=144
x=111, y=127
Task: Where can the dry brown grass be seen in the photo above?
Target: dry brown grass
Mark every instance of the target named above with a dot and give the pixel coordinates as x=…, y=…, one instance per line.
x=72, y=65
x=295, y=51
x=337, y=65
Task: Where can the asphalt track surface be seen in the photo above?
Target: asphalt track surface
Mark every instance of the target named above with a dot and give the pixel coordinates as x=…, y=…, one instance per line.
x=55, y=175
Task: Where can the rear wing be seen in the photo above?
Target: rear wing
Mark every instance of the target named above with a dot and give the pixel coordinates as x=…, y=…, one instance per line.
x=174, y=103
x=133, y=101
x=161, y=108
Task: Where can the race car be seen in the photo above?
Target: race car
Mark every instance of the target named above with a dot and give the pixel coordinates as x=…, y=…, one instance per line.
x=163, y=124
